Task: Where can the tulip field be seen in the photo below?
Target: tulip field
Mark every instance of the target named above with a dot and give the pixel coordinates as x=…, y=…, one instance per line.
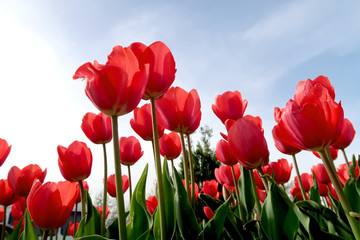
x=247, y=198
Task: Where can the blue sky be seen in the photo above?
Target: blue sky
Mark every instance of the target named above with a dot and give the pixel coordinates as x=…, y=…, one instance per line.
x=260, y=48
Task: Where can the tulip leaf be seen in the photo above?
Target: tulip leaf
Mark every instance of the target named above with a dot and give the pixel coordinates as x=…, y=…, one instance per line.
x=92, y=237
x=278, y=218
x=29, y=232
x=140, y=219
x=352, y=194
x=169, y=206
x=16, y=231
x=214, y=228
x=247, y=194
x=185, y=215
x=314, y=190
x=90, y=224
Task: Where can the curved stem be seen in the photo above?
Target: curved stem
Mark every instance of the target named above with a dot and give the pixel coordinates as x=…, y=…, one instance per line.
x=130, y=186
x=303, y=193
x=161, y=193
x=354, y=224
x=264, y=180
x=257, y=199
x=103, y=218
x=192, y=176
x=241, y=214
x=118, y=178
x=346, y=159
x=45, y=235
x=3, y=225
x=185, y=164
x=75, y=216
x=83, y=201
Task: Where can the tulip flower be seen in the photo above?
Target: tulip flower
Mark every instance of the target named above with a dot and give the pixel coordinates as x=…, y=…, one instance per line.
x=342, y=171
x=86, y=187
x=281, y=170
x=296, y=193
x=100, y=209
x=224, y=176
x=229, y=105
x=196, y=192
x=261, y=194
x=8, y=196
x=247, y=142
x=75, y=162
x=45, y=200
x=151, y=204
x=142, y=123
x=224, y=153
x=210, y=188
x=321, y=173
x=162, y=67
x=180, y=110
x=333, y=153
x=97, y=127
x=21, y=180
x=112, y=184
x=305, y=88
x=208, y=213
x=346, y=137
x=170, y=146
x=306, y=179
x=71, y=229
x=283, y=146
x=18, y=209
x=4, y=150
x=1, y=214
x=130, y=150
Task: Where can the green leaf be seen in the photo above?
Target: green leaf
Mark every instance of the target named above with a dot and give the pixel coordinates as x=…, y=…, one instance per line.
x=278, y=219
x=92, y=237
x=16, y=231
x=29, y=232
x=247, y=194
x=169, y=206
x=90, y=224
x=314, y=190
x=140, y=219
x=352, y=193
x=185, y=215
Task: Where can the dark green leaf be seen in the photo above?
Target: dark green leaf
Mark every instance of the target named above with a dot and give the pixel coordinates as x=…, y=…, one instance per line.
x=29, y=232
x=314, y=190
x=247, y=194
x=92, y=237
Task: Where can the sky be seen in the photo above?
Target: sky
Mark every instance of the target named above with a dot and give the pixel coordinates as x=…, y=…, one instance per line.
x=260, y=48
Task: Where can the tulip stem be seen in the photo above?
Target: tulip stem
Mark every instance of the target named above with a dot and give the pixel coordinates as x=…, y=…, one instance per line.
x=118, y=179
x=185, y=164
x=354, y=224
x=4, y=224
x=130, y=188
x=241, y=214
x=161, y=196
x=264, y=180
x=346, y=159
x=45, y=235
x=192, y=176
x=103, y=218
x=302, y=190
x=75, y=216
x=257, y=198
x=82, y=191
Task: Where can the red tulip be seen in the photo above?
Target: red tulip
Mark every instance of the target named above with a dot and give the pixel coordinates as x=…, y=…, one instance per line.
x=170, y=145
x=224, y=154
x=75, y=162
x=130, y=150
x=196, y=189
x=16, y=222
x=342, y=171
x=151, y=204
x=4, y=150
x=50, y=205
x=346, y=136
x=224, y=176
x=333, y=153
x=321, y=173
x=211, y=188
x=18, y=209
x=208, y=213
x=112, y=184
x=333, y=192
x=162, y=67
x=305, y=88
x=100, y=209
x=229, y=105
x=142, y=123
x=21, y=180
x=261, y=194
x=296, y=193
x=97, y=127
x=117, y=87
x=86, y=187
x=8, y=196
x=283, y=146
x=71, y=228
x=280, y=169
x=247, y=142
x=313, y=123
x=179, y=110
x=1, y=214
x=307, y=181
x=258, y=181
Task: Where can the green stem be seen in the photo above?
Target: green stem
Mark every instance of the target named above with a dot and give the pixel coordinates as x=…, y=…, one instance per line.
x=354, y=224
x=264, y=180
x=192, y=176
x=161, y=193
x=346, y=159
x=56, y=234
x=45, y=235
x=75, y=216
x=303, y=193
x=130, y=187
x=83, y=201
x=185, y=164
x=4, y=224
x=241, y=214
x=51, y=232
x=103, y=219
x=257, y=199
x=118, y=179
